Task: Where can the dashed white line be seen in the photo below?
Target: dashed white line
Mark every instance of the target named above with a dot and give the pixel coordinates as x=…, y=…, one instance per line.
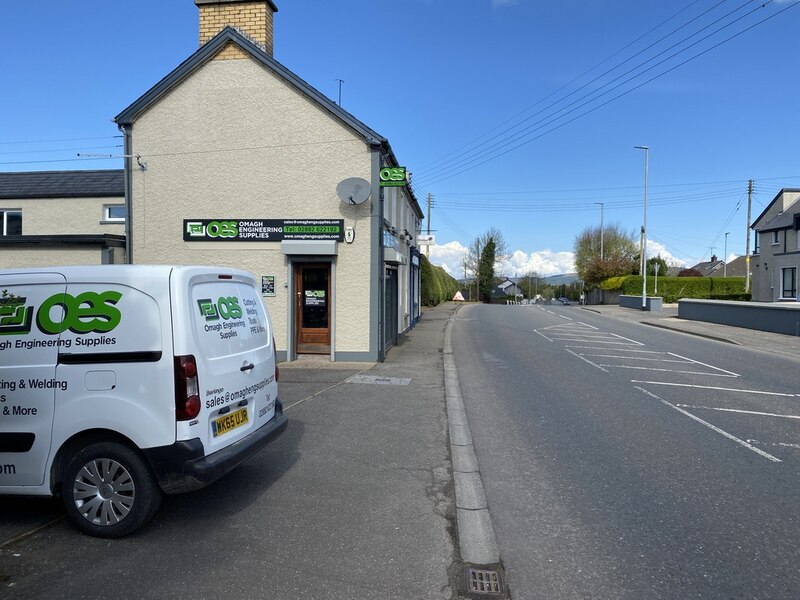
x=713, y=427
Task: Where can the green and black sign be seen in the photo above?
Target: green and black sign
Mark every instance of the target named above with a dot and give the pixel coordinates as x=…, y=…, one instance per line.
x=393, y=177
x=262, y=230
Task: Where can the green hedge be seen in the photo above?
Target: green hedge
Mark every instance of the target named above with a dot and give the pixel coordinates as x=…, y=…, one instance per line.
x=436, y=286
x=671, y=289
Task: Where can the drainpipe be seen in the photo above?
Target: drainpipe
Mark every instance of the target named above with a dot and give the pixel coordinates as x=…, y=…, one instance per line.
x=126, y=132
x=377, y=232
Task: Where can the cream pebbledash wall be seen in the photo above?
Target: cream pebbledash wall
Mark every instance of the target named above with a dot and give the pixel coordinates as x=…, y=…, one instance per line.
x=233, y=140
x=52, y=216
x=15, y=258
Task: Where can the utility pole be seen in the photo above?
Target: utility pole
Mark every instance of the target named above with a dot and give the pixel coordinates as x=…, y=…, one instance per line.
x=747, y=247
x=428, y=247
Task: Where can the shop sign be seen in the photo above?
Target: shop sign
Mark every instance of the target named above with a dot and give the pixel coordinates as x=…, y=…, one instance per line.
x=261, y=230
x=393, y=176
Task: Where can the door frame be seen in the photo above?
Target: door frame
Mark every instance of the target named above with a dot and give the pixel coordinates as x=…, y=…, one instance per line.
x=295, y=265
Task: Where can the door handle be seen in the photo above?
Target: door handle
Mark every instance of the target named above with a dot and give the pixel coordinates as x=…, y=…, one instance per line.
x=247, y=367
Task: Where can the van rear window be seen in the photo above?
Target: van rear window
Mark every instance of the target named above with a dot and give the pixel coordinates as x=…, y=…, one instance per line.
x=229, y=318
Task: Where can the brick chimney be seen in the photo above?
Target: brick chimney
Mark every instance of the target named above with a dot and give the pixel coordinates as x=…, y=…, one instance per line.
x=252, y=17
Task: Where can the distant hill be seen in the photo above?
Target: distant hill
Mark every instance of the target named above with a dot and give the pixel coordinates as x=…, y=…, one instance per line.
x=564, y=279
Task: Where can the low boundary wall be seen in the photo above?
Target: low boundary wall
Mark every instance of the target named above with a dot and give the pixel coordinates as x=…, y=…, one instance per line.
x=763, y=316
x=653, y=302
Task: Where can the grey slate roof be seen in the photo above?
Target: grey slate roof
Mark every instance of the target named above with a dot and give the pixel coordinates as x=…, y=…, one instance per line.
x=208, y=50
x=757, y=223
x=784, y=220
x=63, y=184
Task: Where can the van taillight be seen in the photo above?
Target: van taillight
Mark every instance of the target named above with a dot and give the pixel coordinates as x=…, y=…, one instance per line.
x=187, y=399
x=275, y=357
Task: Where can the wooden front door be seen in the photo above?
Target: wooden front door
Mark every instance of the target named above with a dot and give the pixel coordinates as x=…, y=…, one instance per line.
x=313, y=307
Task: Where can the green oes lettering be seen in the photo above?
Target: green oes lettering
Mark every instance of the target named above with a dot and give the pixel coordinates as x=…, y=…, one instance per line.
x=229, y=308
x=87, y=312
x=223, y=229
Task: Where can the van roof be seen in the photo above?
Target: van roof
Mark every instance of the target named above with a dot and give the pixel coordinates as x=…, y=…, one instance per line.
x=121, y=271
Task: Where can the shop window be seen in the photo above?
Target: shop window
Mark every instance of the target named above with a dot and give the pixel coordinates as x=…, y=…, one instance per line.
x=10, y=222
x=114, y=212
x=789, y=283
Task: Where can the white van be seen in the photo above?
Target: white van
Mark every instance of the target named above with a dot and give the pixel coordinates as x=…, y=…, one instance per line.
x=120, y=381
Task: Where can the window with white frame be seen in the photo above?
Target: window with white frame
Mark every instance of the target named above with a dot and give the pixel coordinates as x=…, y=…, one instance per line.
x=114, y=212
x=10, y=222
x=789, y=282
x=756, y=245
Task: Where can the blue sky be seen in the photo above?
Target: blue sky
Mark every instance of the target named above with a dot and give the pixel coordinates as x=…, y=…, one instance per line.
x=519, y=115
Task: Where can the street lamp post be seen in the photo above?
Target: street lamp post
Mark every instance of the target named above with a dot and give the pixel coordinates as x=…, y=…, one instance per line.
x=601, y=229
x=725, y=256
x=644, y=226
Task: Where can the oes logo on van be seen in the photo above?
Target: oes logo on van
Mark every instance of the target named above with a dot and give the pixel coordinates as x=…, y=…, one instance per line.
x=88, y=312
x=227, y=308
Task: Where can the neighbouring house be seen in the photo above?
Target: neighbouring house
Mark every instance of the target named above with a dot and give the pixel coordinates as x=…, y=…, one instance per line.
x=58, y=217
x=507, y=288
x=717, y=268
x=776, y=255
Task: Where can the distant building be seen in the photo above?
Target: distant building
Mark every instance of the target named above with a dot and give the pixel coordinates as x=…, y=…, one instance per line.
x=717, y=268
x=507, y=288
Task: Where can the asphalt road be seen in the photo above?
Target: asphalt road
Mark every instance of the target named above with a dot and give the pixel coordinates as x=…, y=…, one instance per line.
x=625, y=461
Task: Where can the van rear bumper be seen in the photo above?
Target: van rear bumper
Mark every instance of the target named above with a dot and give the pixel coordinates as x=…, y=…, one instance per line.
x=183, y=466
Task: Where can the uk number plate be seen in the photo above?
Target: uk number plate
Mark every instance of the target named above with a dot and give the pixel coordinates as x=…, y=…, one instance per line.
x=229, y=422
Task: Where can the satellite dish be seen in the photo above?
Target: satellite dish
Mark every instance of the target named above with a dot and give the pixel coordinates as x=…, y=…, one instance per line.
x=353, y=190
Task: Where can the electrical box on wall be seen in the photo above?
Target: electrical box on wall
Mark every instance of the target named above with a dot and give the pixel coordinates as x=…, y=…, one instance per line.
x=349, y=235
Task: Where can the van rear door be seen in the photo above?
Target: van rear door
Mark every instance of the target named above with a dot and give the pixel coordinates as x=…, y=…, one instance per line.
x=235, y=358
x=34, y=309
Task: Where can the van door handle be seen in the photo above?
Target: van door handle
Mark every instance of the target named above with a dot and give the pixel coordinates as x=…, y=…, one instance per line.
x=247, y=367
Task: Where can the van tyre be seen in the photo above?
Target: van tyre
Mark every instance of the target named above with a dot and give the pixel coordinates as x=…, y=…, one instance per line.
x=109, y=490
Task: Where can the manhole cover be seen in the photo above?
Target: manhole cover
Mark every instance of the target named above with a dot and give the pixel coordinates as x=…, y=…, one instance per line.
x=379, y=380
x=484, y=581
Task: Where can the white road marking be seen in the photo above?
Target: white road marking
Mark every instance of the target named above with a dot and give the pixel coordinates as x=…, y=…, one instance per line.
x=669, y=370
x=588, y=361
x=713, y=427
x=563, y=317
x=740, y=411
x=616, y=349
x=711, y=387
x=543, y=335
x=704, y=364
x=664, y=360
x=781, y=444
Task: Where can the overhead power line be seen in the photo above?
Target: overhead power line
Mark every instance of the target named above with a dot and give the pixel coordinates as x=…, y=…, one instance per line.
x=494, y=152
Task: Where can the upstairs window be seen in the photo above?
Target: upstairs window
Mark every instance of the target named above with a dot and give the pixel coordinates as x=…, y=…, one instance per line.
x=776, y=238
x=757, y=243
x=10, y=222
x=114, y=213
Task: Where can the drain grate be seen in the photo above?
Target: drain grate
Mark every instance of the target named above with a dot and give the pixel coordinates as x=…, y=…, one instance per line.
x=484, y=581
x=378, y=380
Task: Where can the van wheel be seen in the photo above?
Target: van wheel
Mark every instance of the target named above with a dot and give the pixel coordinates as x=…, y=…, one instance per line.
x=109, y=491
